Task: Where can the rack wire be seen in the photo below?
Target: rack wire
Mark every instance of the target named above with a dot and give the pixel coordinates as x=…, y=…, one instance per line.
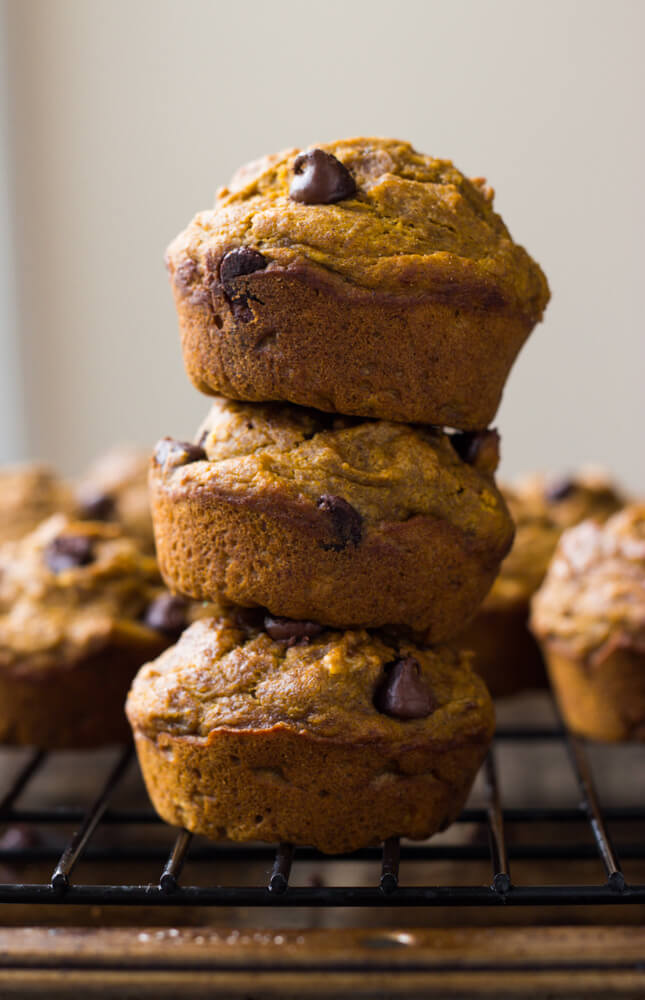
x=388, y=888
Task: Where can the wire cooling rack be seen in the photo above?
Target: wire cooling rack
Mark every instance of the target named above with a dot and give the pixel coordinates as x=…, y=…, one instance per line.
x=387, y=863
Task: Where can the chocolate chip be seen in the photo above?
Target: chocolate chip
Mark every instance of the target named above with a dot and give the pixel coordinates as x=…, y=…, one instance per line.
x=403, y=694
x=559, y=489
x=186, y=273
x=167, y=614
x=346, y=521
x=68, y=552
x=171, y=454
x=95, y=505
x=292, y=631
x=478, y=448
x=242, y=260
x=320, y=179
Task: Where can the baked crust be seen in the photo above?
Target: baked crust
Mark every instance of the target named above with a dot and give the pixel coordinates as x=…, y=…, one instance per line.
x=250, y=523
x=240, y=737
x=408, y=301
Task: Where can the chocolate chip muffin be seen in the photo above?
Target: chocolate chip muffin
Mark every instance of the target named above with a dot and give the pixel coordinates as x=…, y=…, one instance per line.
x=359, y=277
x=115, y=488
x=589, y=616
x=81, y=608
x=506, y=653
x=30, y=493
x=287, y=731
x=338, y=520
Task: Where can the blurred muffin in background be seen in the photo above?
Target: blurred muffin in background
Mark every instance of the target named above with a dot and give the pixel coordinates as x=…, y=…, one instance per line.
x=506, y=654
x=115, y=488
x=29, y=493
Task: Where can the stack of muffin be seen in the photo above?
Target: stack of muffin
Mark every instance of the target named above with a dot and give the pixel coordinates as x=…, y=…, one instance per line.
x=347, y=302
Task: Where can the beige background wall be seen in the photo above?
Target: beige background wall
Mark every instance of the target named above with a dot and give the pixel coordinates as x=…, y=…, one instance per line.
x=125, y=116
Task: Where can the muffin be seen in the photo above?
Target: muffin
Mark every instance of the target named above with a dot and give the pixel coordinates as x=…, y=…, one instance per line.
x=81, y=608
x=285, y=731
x=115, y=488
x=589, y=616
x=30, y=493
x=506, y=653
x=333, y=519
x=359, y=277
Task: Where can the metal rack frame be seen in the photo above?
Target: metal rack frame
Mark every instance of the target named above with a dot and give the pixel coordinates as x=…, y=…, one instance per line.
x=389, y=888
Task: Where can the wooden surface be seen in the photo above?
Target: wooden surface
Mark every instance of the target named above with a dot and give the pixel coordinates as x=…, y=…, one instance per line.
x=197, y=962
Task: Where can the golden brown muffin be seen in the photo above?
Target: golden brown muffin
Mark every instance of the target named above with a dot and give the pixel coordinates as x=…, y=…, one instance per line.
x=115, y=488
x=506, y=653
x=28, y=494
x=295, y=733
x=589, y=616
x=342, y=521
x=360, y=277
x=81, y=608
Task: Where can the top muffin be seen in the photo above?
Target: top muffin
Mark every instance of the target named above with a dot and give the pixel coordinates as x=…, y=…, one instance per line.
x=359, y=277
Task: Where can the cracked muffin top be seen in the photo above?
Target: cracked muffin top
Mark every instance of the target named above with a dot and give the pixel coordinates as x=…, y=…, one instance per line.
x=385, y=471
x=375, y=213
x=29, y=494
x=593, y=598
x=225, y=674
x=542, y=507
x=70, y=588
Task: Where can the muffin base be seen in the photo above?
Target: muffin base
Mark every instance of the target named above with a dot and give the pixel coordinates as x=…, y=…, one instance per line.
x=507, y=656
x=603, y=699
x=421, y=573
x=75, y=706
x=279, y=785
x=302, y=336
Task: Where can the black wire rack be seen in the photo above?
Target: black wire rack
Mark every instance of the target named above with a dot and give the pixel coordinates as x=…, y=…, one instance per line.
x=388, y=862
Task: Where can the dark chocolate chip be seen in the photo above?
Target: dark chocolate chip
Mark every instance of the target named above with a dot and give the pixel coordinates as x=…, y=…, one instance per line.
x=167, y=614
x=559, y=489
x=478, y=448
x=292, y=631
x=346, y=521
x=403, y=694
x=185, y=274
x=68, y=552
x=171, y=453
x=95, y=505
x=320, y=179
x=241, y=261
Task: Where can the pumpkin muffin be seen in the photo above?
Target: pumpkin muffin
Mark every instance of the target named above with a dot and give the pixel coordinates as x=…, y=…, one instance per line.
x=285, y=731
x=30, y=493
x=115, y=488
x=542, y=507
x=589, y=616
x=359, y=277
x=334, y=519
x=81, y=608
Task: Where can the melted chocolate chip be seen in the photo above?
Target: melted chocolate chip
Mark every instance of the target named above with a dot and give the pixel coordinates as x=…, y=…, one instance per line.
x=68, y=552
x=403, y=694
x=559, y=489
x=320, y=179
x=478, y=448
x=292, y=631
x=171, y=453
x=95, y=505
x=242, y=260
x=186, y=273
x=167, y=614
x=346, y=521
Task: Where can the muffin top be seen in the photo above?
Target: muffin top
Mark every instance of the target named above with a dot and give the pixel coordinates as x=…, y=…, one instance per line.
x=307, y=460
x=372, y=212
x=542, y=507
x=115, y=488
x=28, y=494
x=70, y=588
x=593, y=598
x=356, y=685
